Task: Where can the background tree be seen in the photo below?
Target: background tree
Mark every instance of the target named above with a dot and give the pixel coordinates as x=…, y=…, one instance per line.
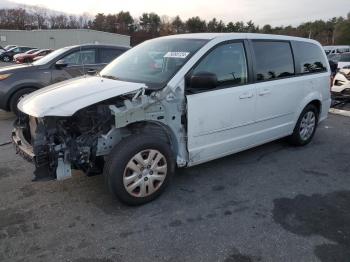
x=124, y=22
x=166, y=27
x=342, y=33
x=328, y=32
x=178, y=25
x=267, y=29
x=40, y=15
x=110, y=23
x=196, y=25
x=73, y=22
x=99, y=22
x=150, y=22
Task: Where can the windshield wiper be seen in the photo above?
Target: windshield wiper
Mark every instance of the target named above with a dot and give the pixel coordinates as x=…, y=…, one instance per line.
x=110, y=77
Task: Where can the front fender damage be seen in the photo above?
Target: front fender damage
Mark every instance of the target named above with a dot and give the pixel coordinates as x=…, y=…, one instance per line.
x=83, y=140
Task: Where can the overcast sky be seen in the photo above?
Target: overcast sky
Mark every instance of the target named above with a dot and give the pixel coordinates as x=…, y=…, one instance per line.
x=274, y=12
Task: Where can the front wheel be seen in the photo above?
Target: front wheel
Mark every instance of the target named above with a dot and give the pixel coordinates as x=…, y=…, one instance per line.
x=139, y=168
x=6, y=58
x=306, y=126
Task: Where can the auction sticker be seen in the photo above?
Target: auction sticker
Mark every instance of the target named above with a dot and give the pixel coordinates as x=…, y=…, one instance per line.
x=176, y=54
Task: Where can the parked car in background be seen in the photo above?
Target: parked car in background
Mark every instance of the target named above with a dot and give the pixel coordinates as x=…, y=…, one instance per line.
x=7, y=56
x=37, y=58
x=212, y=95
x=62, y=64
x=334, y=58
x=29, y=57
x=336, y=49
x=344, y=60
x=341, y=84
x=8, y=47
x=31, y=51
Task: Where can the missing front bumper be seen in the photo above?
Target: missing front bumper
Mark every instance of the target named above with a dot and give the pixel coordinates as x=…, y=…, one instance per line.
x=43, y=169
x=22, y=147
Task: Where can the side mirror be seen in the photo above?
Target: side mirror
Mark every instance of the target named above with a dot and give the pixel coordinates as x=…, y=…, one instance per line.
x=203, y=81
x=61, y=63
x=91, y=72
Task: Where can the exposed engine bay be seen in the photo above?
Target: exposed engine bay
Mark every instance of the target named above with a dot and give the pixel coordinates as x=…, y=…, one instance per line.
x=58, y=144
x=59, y=140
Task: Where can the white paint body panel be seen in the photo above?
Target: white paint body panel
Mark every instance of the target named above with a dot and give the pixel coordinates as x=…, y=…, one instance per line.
x=66, y=98
x=218, y=121
x=345, y=82
x=341, y=65
x=220, y=124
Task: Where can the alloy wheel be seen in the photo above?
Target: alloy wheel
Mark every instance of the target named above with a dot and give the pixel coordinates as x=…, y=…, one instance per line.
x=307, y=125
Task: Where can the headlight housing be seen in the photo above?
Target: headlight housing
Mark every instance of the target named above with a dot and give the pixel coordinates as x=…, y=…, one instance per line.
x=4, y=76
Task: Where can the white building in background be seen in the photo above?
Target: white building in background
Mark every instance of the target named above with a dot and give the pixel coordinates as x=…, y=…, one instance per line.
x=57, y=38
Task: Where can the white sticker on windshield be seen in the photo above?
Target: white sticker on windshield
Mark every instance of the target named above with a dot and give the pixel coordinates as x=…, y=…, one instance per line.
x=176, y=54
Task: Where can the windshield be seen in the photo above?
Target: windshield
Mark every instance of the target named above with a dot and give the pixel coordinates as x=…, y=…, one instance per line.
x=153, y=62
x=51, y=56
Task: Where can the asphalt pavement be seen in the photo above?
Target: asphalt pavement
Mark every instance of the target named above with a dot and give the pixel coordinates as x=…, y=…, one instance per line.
x=271, y=203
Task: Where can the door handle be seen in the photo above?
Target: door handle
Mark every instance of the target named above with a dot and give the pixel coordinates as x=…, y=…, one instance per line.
x=264, y=92
x=246, y=95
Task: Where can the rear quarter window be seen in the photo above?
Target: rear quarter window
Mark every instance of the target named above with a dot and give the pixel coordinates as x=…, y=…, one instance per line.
x=309, y=58
x=109, y=54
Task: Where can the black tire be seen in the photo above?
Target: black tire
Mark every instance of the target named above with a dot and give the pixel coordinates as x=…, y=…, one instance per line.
x=6, y=58
x=122, y=153
x=16, y=97
x=296, y=138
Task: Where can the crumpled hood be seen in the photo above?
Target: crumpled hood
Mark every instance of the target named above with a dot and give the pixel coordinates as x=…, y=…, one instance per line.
x=66, y=98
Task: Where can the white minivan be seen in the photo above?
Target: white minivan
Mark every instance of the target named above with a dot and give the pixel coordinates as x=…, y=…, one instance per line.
x=204, y=96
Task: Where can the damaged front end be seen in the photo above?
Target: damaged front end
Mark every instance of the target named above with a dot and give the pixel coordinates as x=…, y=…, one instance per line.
x=57, y=144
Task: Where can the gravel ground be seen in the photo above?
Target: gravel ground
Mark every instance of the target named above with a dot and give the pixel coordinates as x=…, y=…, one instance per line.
x=271, y=203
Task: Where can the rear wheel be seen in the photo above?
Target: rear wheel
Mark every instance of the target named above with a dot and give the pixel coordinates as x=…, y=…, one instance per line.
x=306, y=126
x=16, y=97
x=139, y=168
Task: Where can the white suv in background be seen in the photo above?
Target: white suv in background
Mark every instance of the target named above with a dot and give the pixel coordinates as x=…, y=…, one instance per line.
x=205, y=96
x=341, y=84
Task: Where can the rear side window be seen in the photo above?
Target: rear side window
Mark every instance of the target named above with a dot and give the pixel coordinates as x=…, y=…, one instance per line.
x=108, y=54
x=273, y=60
x=81, y=57
x=309, y=58
x=345, y=57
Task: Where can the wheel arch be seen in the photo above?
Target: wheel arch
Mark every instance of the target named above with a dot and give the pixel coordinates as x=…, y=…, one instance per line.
x=155, y=128
x=313, y=98
x=18, y=88
x=317, y=103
